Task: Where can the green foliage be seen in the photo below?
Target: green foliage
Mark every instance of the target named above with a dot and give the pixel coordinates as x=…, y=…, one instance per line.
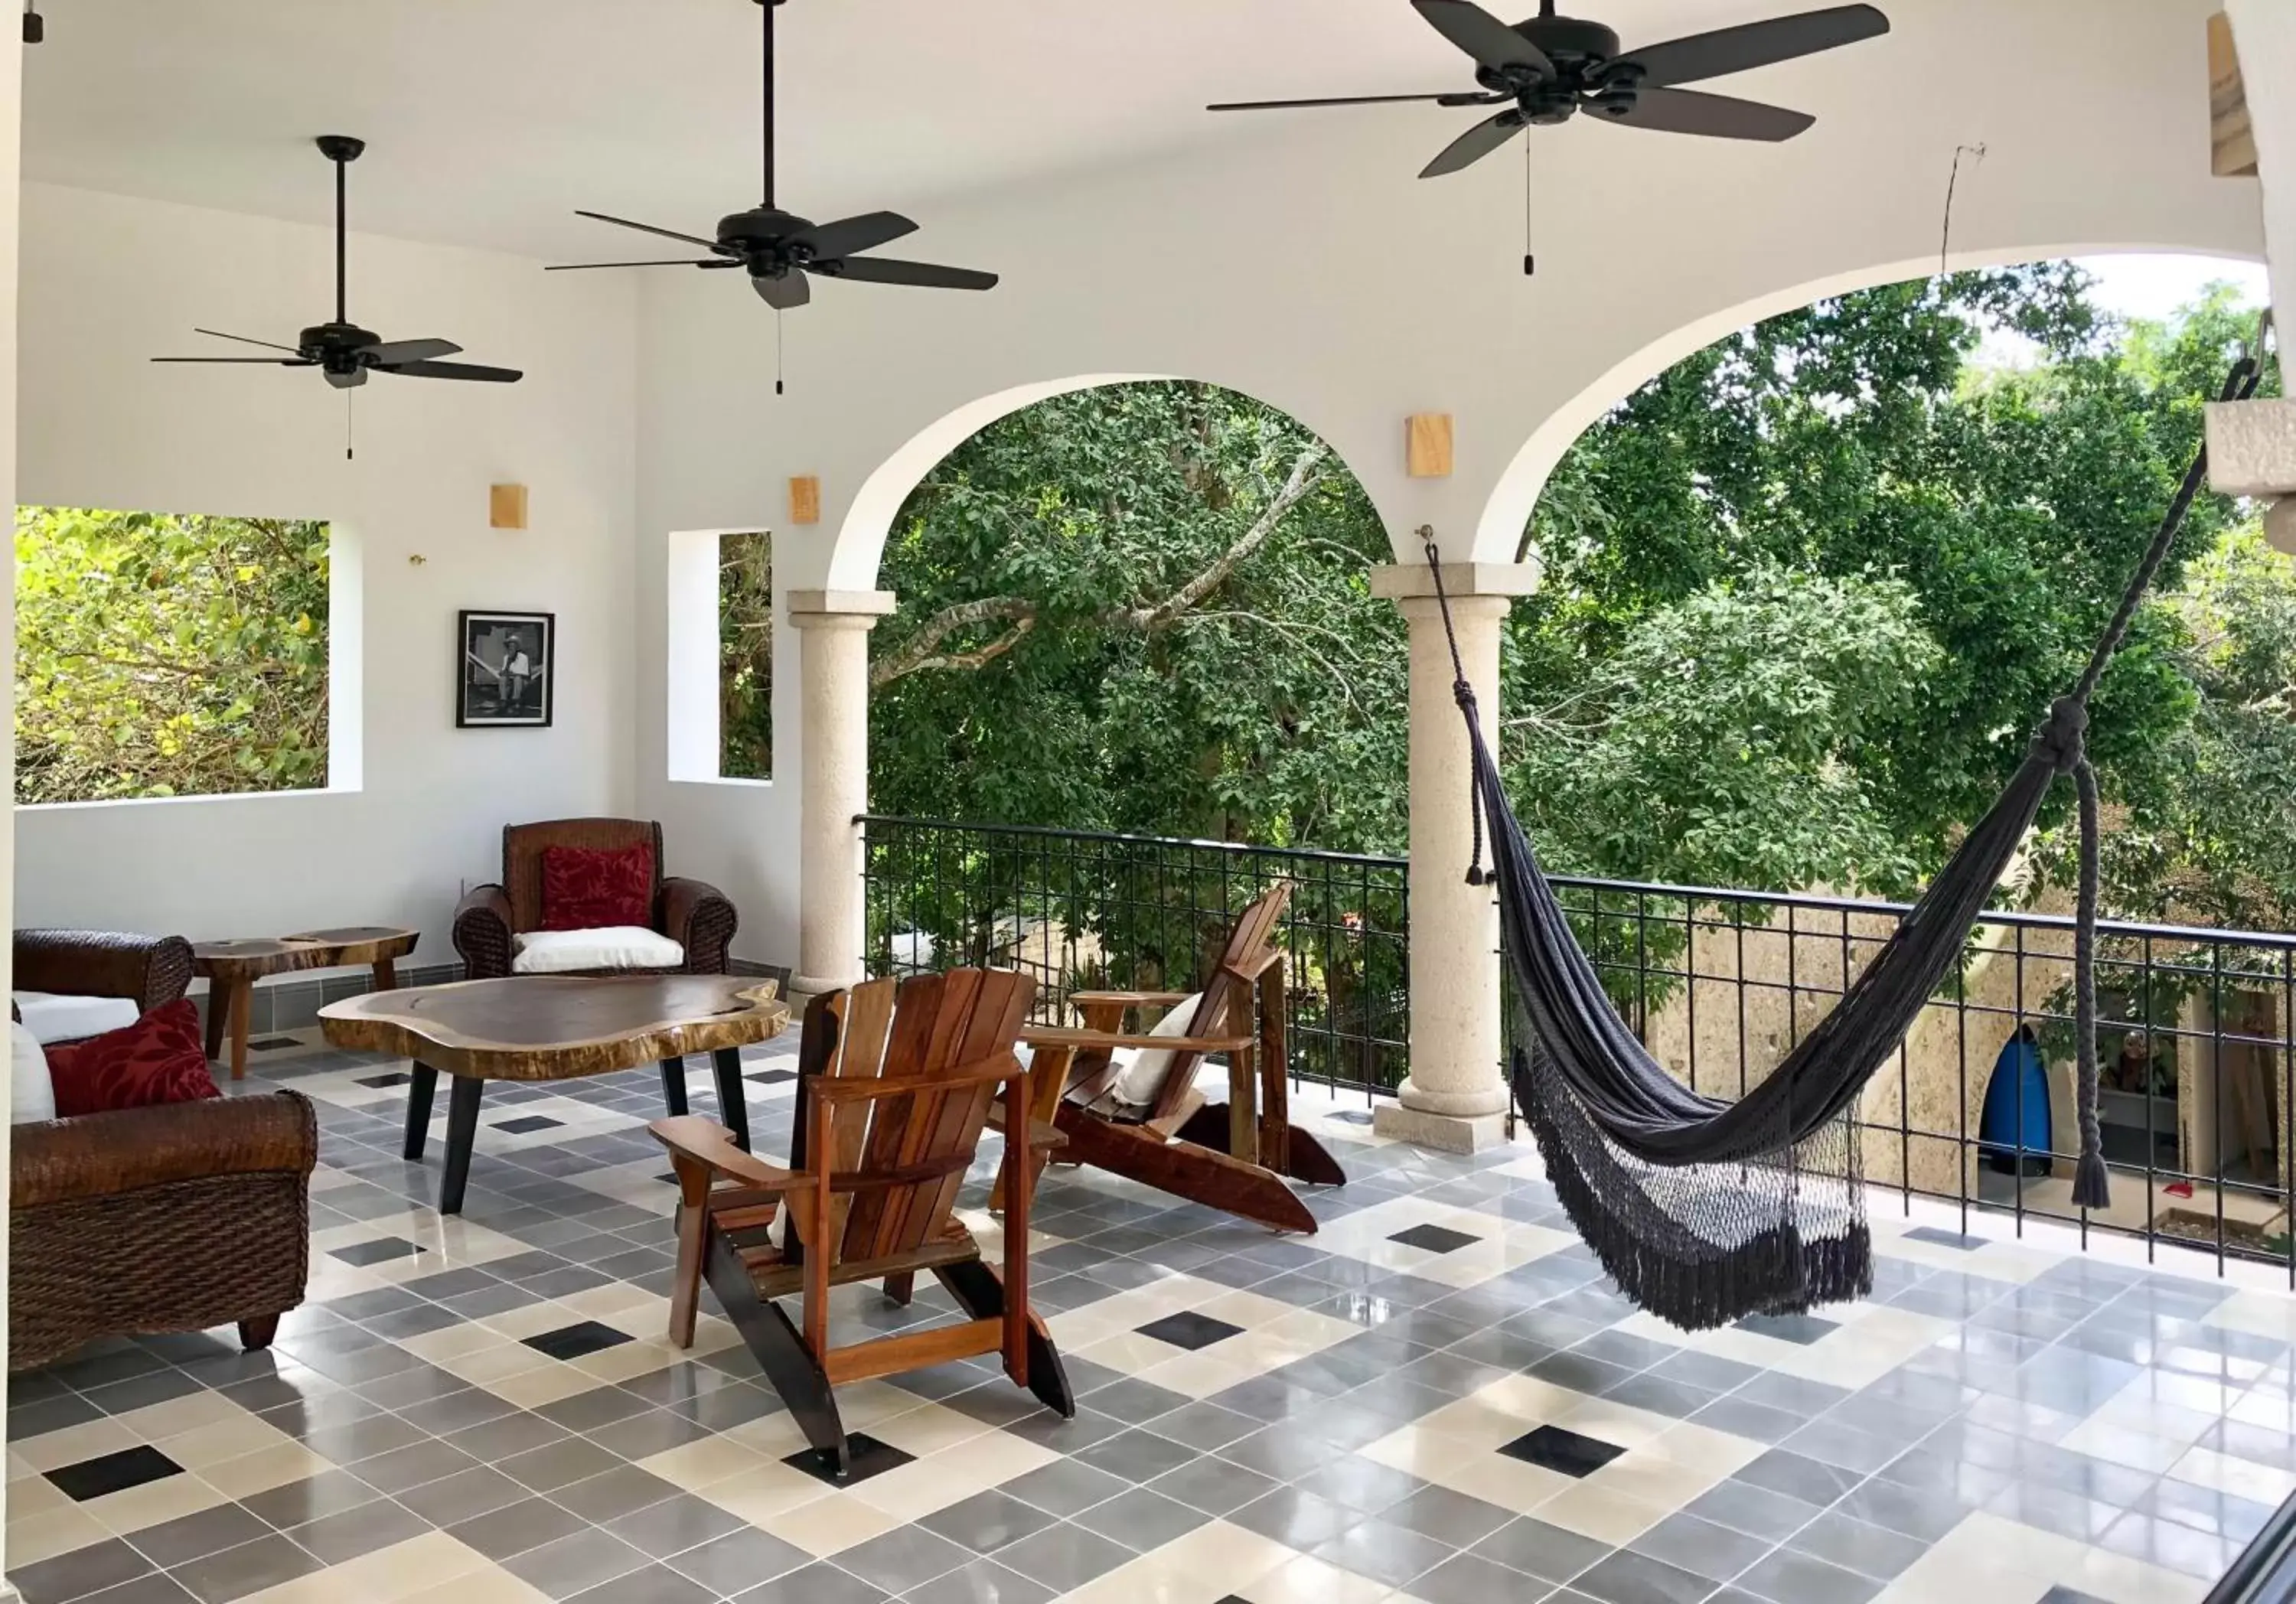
x=160, y=655
x=745, y=656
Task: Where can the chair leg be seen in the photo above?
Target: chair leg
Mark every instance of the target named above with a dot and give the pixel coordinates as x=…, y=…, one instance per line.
x=982, y=1296
x=732, y=1099
x=776, y=1345
x=686, y=1292
x=462, y=1135
x=900, y=1289
x=255, y=1335
x=421, y=1082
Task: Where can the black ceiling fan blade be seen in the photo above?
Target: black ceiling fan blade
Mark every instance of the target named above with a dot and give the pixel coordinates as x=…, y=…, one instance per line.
x=244, y=360
x=1475, y=144
x=847, y=235
x=1716, y=116
x=891, y=270
x=1491, y=42
x=676, y=262
x=471, y=371
x=785, y=293
x=243, y=339
x=395, y=352
x=667, y=233
x=1341, y=100
x=1752, y=44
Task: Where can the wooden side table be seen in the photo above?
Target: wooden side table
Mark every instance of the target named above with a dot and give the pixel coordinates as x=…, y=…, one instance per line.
x=231, y=969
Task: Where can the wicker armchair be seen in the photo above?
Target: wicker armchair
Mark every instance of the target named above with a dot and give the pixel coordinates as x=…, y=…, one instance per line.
x=151, y=970
x=693, y=914
x=174, y=1218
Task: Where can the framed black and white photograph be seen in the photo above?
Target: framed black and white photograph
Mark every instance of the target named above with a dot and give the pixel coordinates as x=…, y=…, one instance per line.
x=508, y=663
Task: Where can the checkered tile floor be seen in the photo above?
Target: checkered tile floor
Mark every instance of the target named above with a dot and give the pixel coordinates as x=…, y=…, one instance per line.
x=1436, y=1399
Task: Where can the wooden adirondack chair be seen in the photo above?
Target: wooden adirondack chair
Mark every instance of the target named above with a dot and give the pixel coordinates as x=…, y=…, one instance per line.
x=1232, y=1156
x=897, y=1081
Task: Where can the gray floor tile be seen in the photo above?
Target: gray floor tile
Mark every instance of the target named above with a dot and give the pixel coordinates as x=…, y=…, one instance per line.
x=1691, y=1543
x=1448, y=1517
x=739, y=1560
x=1759, y=1511
x=1203, y=1426
x=1539, y=1550
x=1359, y=1483
x=1297, y=1519
x=210, y=1531
x=153, y=1589
x=77, y=1574
x=1813, y=1481
x=1470, y=1579
x=1384, y=1553
x=403, y=1468
x=1141, y=1519
x=250, y=1568
x=988, y=1521
x=2174, y=1547
x=1789, y=1577
x=1870, y=1551
x=458, y=1497
x=982, y=1582
x=1631, y=1578
x=820, y=1583
x=655, y=1584
x=908, y=1557
x=570, y=1564
x=348, y=1533
x=622, y=1491
x=328, y=1493
x=1138, y=1456
x=562, y=1464
x=516, y=1528
x=1065, y=1487
x=1064, y=1557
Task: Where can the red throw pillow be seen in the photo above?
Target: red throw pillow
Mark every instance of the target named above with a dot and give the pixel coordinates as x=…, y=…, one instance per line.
x=158, y=1059
x=587, y=890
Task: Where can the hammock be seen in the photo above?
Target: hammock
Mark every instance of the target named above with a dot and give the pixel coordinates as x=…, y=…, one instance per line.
x=1705, y=1211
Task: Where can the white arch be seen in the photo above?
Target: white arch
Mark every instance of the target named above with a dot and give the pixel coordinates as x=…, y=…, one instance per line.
x=860, y=544
x=1507, y=512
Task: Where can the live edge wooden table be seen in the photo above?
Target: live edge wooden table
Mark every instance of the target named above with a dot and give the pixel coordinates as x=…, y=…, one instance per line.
x=231, y=969
x=550, y=1027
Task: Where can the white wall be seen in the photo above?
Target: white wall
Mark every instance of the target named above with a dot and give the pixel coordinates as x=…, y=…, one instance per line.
x=1309, y=268
x=108, y=283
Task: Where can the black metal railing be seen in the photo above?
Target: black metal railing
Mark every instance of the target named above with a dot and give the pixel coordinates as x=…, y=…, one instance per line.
x=1083, y=911
x=2195, y=1032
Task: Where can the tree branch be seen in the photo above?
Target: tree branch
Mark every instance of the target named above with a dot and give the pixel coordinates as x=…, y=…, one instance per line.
x=923, y=650
x=1304, y=479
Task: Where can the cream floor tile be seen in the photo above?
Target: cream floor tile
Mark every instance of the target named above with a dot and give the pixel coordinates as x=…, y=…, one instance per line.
x=1222, y=1553
x=760, y=1495
x=775, y=1436
x=2125, y=1445
x=829, y=1526
x=388, y=1575
x=1308, y=1580
x=491, y=1586
x=498, y=1361
x=223, y=1440
x=926, y=1487
x=697, y=1465
x=452, y=1342
x=47, y=1532
x=154, y=1503
x=1148, y=1580
x=162, y=1421
x=34, y=1496
x=1604, y=1511
x=533, y=1388
x=2243, y=1478
x=928, y=1430
x=627, y=1361
x=264, y=1469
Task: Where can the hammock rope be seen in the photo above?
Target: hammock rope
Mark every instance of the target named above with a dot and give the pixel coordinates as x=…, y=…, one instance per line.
x=1706, y=1210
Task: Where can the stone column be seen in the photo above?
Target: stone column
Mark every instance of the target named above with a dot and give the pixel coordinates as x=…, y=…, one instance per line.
x=2252, y=445
x=1455, y=1097
x=832, y=779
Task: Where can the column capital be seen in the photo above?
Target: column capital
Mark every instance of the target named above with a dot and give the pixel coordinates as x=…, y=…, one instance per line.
x=838, y=610
x=2252, y=447
x=1415, y=581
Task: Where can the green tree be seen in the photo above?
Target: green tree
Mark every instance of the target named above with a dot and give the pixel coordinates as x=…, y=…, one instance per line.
x=160, y=656
x=745, y=656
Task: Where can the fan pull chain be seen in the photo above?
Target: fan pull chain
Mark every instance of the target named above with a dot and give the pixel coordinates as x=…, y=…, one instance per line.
x=1529, y=262
x=349, y=455
x=36, y=26
x=1952, y=186
x=778, y=348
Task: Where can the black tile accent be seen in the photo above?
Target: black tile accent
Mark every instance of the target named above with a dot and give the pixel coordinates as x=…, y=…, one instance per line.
x=1354, y=1116
x=1802, y=1329
x=113, y=1473
x=2061, y=1594
x=866, y=1454
x=772, y=1077
x=1553, y=1448
x=1190, y=1330
x=1435, y=1239
x=380, y=1251
x=1940, y=1237
x=272, y=1043
x=382, y=1083
x=527, y=1125
x=571, y=1342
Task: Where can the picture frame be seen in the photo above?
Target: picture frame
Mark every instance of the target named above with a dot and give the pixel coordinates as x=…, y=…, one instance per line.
x=506, y=670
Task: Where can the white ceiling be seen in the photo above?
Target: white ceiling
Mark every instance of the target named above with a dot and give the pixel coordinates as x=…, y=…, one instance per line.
x=490, y=121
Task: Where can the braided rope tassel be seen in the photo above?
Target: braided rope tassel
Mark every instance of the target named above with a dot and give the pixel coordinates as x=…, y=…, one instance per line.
x=2092, y=1181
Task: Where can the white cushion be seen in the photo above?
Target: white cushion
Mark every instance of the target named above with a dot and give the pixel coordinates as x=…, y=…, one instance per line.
x=58, y=1017
x=31, y=1093
x=1140, y=1070
x=618, y=947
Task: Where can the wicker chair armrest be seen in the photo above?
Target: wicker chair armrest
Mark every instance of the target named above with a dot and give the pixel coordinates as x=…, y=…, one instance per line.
x=483, y=924
x=100, y=1155
x=154, y=970
x=700, y=918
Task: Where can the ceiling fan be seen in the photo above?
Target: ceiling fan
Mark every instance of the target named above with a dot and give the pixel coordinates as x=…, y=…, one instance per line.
x=779, y=249
x=342, y=350
x=1553, y=67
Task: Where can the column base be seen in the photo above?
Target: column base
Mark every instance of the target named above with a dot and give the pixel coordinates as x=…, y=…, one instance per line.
x=809, y=985
x=1445, y=1133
